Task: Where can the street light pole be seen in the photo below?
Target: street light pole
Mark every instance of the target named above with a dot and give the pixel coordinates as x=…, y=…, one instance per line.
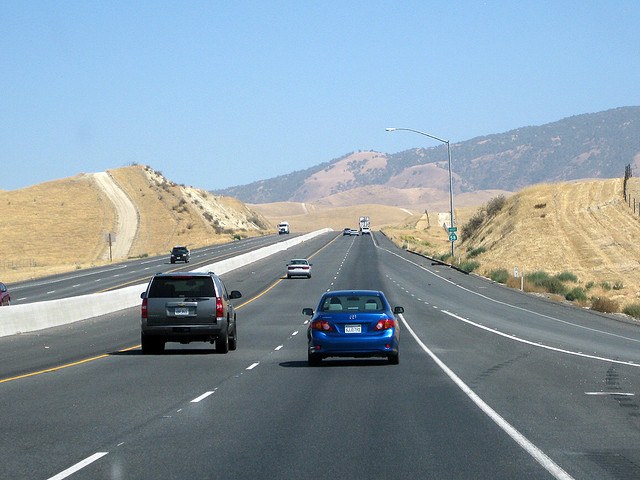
x=452, y=235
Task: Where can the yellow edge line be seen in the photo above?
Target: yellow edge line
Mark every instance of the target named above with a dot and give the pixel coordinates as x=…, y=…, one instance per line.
x=135, y=347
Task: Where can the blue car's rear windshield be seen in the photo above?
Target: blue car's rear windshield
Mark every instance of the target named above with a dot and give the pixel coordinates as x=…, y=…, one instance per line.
x=352, y=303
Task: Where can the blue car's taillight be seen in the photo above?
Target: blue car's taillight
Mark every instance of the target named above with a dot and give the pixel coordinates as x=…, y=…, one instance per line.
x=385, y=324
x=321, y=325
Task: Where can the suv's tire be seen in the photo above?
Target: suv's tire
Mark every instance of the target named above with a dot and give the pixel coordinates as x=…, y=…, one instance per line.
x=222, y=343
x=233, y=341
x=151, y=345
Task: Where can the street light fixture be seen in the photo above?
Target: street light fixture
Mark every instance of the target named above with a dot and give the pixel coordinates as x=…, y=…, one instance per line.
x=452, y=235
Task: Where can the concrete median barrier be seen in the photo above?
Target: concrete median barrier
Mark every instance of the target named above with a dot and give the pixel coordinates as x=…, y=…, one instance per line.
x=52, y=313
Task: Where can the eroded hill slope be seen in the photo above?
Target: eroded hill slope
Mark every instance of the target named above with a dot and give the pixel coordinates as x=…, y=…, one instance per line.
x=64, y=225
x=584, y=227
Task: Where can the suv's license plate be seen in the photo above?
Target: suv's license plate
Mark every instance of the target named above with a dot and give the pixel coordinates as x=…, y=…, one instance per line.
x=353, y=329
x=181, y=311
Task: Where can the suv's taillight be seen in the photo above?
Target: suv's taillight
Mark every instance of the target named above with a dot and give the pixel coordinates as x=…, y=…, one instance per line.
x=219, y=307
x=143, y=309
x=322, y=325
x=385, y=324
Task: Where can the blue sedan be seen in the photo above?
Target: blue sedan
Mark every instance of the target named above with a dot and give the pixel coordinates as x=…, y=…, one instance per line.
x=353, y=323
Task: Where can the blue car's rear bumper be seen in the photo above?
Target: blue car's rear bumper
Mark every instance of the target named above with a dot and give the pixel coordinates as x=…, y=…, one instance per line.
x=357, y=346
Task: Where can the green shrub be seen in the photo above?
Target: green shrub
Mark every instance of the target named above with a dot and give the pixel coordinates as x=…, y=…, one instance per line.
x=632, y=310
x=618, y=286
x=567, y=277
x=469, y=266
x=538, y=277
x=576, y=293
x=590, y=285
x=605, y=305
x=553, y=285
x=501, y=275
x=443, y=257
x=477, y=251
x=473, y=225
x=495, y=205
x=606, y=286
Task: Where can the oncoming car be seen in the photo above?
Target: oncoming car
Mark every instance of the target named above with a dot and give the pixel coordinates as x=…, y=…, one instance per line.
x=5, y=298
x=299, y=267
x=181, y=254
x=353, y=323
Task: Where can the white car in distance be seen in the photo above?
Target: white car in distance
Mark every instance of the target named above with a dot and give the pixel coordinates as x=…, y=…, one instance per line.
x=299, y=267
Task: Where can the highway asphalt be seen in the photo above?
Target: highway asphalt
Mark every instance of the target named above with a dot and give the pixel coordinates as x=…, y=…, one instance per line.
x=492, y=383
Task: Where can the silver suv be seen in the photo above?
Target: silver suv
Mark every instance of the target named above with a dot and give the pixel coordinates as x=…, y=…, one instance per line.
x=187, y=307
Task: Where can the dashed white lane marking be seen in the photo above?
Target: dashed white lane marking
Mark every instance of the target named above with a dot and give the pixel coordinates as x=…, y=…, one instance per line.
x=611, y=393
x=253, y=365
x=542, y=458
x=294, y=333
x=202, y=397
x=78, y=466
x=278, y=347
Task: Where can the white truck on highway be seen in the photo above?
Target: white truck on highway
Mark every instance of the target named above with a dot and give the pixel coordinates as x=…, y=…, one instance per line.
x=283, y=228
x=365, y=226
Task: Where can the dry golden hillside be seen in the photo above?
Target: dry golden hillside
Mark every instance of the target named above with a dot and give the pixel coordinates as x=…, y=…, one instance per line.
x=53, y=226
x=307, y=217
x=585, y=228
x=63, y=225
x=171, y=214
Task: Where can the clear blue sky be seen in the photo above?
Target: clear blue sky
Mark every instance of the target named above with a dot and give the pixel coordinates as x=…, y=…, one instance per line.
x=222, y=93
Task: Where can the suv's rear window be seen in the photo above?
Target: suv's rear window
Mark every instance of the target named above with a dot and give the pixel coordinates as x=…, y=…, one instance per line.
x=177, y=287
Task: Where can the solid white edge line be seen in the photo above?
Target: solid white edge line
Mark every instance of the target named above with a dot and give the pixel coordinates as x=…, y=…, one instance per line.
x=541, y=345
x=71, y=470
x=545, y=461
x=201, y=397
x=532, y=312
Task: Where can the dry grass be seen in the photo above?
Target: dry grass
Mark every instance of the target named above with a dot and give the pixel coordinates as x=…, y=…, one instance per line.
x=59, y=226
x=172, y=214
x=53, y=227
x=306, y=217
x=584, y=228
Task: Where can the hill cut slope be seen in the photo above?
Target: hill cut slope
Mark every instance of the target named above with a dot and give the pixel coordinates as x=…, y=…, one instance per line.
x=63, y=225
x=583, y=227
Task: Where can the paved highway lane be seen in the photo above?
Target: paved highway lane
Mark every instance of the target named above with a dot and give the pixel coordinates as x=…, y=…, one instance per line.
x=261, y=412
x=131, y=272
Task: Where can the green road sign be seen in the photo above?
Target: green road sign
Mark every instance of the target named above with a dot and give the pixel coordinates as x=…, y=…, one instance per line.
x=452, y=237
